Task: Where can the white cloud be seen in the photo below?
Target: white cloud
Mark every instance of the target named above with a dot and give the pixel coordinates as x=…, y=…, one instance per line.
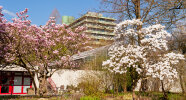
x=9, y=13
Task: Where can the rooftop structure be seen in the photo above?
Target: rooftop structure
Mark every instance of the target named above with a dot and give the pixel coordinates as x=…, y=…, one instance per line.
x=99, y=29
x=90, y=53
x=67, y=19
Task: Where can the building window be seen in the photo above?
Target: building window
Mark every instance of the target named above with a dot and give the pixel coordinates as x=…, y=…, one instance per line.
x=14, y=82
x=18, y=80
x=102, y=20
x=17, y=89
x=5, y=89
x=27, y=81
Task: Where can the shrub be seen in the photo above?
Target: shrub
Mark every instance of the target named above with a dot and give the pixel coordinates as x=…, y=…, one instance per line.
x=92, y=84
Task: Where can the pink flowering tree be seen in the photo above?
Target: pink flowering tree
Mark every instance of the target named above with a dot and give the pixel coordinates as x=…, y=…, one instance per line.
x=145, y=50
x=42, y=50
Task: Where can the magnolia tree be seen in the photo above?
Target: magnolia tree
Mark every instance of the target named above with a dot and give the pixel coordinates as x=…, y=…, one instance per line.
x=145, y=50
x=42, y=50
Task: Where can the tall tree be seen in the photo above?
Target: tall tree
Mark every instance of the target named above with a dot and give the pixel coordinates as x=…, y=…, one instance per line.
x=150, y=59
x=42, y=50
x=166, y=12
x=178, y=43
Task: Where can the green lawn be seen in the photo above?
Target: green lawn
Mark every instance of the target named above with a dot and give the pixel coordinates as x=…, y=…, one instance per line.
x=120, y=96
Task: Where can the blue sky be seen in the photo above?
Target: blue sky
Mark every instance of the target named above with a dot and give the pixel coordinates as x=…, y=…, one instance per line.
x=40, y=10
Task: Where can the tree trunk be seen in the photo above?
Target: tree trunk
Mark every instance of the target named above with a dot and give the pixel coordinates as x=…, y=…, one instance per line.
x=124, y=84
x=156, y=85
x=134, y=96
x=116, y=88
x=164, y=92
x=137, y=9
x=43, y=86
x=124, y=87
x=34, y=83
x=31, y=74
x=138, y=16
x=143, y=86
x=181, y=84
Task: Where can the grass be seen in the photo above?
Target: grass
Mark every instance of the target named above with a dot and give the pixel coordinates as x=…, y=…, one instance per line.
x=89, y=98
x=174, y=96
x=127, y=96
x=159, y=95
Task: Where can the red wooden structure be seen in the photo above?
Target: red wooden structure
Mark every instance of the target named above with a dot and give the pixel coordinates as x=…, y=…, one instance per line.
x=12, y=82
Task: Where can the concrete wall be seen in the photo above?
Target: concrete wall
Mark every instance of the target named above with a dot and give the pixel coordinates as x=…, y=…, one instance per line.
x=67, y=77
x=73, y=77
x=70, y=77
x=169, y=86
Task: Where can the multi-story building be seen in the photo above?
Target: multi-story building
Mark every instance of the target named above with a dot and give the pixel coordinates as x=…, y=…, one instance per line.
x=98, y=28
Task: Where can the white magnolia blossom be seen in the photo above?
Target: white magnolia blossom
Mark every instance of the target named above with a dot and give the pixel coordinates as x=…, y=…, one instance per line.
x=163, y=68
x=155, y=37
x=127, y=23
x=121, y=58
x=153, y=40
x=130, y=31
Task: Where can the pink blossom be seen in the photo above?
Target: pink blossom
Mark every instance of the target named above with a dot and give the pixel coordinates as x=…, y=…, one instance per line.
x=55, y=51
x=45, y=57
x=40, y=46
x=64, y=58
